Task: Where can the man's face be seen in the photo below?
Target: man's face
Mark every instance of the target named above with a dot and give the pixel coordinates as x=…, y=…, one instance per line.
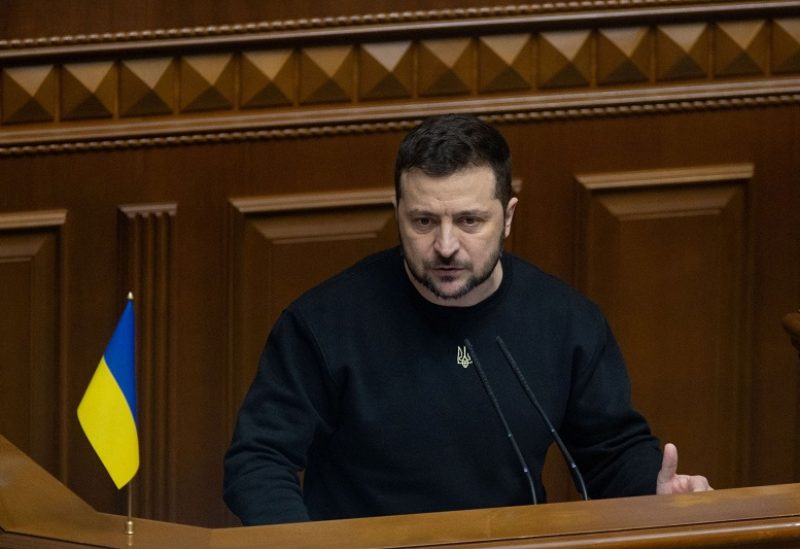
x=452, y=230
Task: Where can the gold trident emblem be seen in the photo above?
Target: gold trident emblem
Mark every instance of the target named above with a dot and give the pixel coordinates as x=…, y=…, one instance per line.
x=463, y=357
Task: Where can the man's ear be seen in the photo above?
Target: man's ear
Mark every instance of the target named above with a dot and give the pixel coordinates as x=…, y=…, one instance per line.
x=509, y=215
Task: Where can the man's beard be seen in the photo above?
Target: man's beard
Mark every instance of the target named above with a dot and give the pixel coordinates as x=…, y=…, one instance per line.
x=473, y=282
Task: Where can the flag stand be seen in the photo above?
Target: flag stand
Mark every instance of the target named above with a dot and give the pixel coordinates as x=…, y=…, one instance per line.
x=129, y=522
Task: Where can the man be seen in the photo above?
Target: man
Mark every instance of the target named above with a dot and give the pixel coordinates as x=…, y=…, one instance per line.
x=367, y=382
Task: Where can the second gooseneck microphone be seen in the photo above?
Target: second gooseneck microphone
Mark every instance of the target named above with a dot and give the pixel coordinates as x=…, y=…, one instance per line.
x=573, y=467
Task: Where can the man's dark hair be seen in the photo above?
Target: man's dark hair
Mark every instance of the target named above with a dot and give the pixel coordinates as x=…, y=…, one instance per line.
x=444, y=145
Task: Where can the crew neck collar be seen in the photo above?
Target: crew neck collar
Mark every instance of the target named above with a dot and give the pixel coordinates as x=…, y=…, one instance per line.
x=448, y=311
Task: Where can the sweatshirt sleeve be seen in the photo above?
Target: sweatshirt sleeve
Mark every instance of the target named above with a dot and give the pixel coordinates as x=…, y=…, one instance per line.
x=288, y=407
x=610, y=441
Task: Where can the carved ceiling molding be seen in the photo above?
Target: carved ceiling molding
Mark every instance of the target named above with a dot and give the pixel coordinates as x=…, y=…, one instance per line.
x=339, y=21
x=369, y=19
x=580, y=106
x=512, y=68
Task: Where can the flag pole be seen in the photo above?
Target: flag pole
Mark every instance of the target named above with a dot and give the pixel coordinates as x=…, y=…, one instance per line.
x=129, y=522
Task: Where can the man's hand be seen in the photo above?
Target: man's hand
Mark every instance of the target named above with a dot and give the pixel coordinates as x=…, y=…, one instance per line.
x=669, y=482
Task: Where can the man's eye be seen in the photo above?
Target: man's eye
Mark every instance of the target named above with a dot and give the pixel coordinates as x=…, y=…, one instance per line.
x=470, y=221
x=423, y=222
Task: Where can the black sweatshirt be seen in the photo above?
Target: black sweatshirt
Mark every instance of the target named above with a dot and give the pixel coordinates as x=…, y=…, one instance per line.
x=363, y=384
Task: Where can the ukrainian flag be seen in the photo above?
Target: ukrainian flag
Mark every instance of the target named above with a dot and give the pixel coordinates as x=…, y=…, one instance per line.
x=107, y=411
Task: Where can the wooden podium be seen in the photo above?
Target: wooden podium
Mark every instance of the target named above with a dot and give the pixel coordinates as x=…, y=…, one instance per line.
x=38, y=511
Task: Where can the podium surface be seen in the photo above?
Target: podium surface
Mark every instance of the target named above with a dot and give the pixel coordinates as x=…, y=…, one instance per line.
x=36, y=510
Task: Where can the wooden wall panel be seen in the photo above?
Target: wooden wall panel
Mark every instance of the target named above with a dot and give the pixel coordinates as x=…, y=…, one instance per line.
x=283, y=245
x=665, y=255
x=147, y=270
x=32, y=294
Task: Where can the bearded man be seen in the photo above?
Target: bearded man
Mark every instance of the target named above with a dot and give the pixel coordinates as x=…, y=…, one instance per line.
x=368, y=382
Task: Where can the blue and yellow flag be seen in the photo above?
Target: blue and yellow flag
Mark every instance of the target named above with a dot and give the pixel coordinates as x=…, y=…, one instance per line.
x=107, y=411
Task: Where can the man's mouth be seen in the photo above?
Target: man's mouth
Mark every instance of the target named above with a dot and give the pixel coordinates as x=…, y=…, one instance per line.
x=447, y=273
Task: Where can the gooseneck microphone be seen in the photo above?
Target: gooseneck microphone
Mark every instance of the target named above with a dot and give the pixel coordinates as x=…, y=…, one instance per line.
x=485, y=381
x=573, y=467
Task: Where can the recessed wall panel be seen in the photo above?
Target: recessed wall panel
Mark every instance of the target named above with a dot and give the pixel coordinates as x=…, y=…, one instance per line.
x=665, y=255
x=284, y=245
x=30, y=299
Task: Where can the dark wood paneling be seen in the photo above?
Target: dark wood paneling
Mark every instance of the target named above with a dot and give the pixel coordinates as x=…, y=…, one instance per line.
x=147, y=263
x=264, y=182
x=665, y=255
x=713, y=59
x=48, y=18
x=283, y=245
x=791, y=323
x=31, y=294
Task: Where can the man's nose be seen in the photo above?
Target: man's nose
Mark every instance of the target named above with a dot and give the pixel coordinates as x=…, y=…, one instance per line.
x=446, y=243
